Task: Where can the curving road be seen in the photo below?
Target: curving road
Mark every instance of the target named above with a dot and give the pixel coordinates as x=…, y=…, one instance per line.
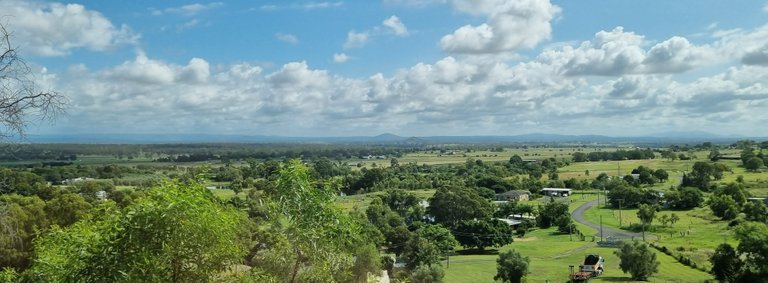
x=578, y=216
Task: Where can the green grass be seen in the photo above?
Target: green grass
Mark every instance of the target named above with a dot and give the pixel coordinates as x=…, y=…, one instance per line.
x=551, y=254
x=461, y=156
x=702, y=230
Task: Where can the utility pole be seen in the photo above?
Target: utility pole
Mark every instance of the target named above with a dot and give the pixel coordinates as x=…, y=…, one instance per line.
x=620, y=201
x=598, y=198
x=601, y=229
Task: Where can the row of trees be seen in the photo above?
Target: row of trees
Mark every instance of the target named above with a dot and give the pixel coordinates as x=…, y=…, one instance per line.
x=635, y=154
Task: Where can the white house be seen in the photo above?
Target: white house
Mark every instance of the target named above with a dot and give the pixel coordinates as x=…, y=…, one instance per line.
x=556, y=192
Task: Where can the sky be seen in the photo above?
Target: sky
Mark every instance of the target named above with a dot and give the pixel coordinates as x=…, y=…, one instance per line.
x=407, y=67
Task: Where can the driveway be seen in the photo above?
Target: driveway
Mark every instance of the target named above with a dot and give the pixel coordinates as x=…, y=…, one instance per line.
x=578, y=216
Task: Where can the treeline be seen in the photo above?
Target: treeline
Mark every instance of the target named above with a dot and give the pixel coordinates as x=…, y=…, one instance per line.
x=198, y=152
x=635, y=154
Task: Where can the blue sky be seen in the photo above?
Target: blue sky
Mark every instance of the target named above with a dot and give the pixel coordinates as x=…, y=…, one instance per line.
x=419, y=67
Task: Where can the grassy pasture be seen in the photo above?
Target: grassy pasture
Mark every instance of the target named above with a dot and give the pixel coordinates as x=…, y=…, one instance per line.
x=701, y=231
x=552, y=253
x=461, y=156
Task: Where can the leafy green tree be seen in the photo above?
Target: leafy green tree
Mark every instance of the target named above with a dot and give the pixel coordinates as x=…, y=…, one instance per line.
x=516, y=160
x=726, y=264
x=579, y=157
x=664, y=219
x=647, y=212
x=420, y=251
x=684, y=198
x=756, y=211
x=313, y=236
x=427, y=274
x=450, y=205
x=324, y=168
x=629, y=197
x=637, y=259
x=735, y=191
x=20, y=182
x=673, y=218
x=702, y=174
x=483, y=233
x=391, y=225
x=724, y=206
x=753, y=164
x=714, y=155
x=178, y=233
x=747, y=154
x=753, y=245
x=404, y=203
x=22, y=218
x=367, y=260
x=66, y=209
x=661, y=175
x=564, y=223
x=511, y=267
x=439, y=236
x=393, y=162
x=551, y=212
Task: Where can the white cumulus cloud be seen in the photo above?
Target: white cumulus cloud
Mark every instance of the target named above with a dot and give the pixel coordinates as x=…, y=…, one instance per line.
x=356, y=39
x=396, y=26
x=511, y=25
x=55, y=29
x=340, y=58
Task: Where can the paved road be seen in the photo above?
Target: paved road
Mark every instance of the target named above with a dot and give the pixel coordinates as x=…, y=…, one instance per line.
x=578, y=216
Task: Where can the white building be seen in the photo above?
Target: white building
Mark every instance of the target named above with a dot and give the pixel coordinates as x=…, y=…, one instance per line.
x=556, y=192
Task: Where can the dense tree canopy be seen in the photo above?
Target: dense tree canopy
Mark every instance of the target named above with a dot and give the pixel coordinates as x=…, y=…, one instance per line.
x=511, y=267
x=726, y=264
x=449, y=206
x=481, y=234
x=637, y=259
x=684, y=198
x=179, y=233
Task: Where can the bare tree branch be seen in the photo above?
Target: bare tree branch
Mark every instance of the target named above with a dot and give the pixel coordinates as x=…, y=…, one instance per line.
x=21, y=101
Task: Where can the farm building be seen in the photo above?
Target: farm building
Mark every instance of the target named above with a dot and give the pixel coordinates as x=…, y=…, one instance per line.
x=510, y=222
x=562, y=192
x=513, y=196
x=521, y=217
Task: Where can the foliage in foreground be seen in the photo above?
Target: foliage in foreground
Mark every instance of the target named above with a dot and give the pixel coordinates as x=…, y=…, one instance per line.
x=178, y=233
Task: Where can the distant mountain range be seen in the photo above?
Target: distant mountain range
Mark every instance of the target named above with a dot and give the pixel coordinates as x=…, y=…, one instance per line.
x=387, y=138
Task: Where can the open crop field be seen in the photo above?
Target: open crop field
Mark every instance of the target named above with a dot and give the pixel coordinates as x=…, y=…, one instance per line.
x=695, y=235
x=461, y=156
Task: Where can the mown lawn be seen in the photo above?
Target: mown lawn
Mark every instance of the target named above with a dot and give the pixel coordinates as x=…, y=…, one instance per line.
x=695, y=235
x=551, y=254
